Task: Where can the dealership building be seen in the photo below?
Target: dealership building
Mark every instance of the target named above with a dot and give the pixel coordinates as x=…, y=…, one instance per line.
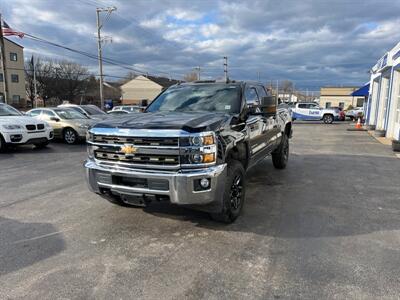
x=383, y=107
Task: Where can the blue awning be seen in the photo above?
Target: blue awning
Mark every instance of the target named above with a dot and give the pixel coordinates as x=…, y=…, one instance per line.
x=361, y=92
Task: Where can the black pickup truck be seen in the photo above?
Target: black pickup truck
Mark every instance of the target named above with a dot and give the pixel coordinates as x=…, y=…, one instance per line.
x=192, y=147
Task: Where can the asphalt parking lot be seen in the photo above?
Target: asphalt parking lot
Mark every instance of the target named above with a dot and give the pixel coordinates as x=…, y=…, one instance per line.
x=326, y=227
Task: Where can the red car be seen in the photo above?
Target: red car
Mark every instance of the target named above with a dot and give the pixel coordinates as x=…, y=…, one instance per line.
x=340, y=111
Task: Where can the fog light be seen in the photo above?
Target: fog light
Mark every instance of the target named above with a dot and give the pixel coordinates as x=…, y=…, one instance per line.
x=205, y=183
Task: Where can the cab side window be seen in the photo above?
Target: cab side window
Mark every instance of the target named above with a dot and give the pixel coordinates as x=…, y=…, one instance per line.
x=261, y=92
x=304, y=105
x=251, y=96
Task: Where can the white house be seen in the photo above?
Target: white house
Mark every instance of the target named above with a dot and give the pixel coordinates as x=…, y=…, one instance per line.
x=383, y=107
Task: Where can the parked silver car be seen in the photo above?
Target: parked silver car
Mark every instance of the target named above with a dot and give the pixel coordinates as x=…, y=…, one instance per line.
x=67, y=123
x=89, y=110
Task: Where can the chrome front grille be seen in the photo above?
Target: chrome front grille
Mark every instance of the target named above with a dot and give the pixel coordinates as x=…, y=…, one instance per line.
x=149, y=152
x=137, y=141
x=138, y=158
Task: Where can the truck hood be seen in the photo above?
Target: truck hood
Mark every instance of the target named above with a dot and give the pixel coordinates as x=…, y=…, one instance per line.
x=192, y=122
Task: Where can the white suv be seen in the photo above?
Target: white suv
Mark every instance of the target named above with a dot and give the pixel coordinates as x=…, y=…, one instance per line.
x=17, y=129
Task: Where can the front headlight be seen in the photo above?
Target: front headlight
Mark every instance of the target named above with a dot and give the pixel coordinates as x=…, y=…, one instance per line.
x=11, y=127
x=83, y=126
x=199, y=149
x=199, y=140
x=47, y=125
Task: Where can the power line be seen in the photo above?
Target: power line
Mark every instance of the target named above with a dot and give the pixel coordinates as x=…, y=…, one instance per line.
x=92, y=56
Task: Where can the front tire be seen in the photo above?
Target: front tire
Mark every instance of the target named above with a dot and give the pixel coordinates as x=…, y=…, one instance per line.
x=328, y=119
x=234, y=194
x=280, y=156
x=70, y=136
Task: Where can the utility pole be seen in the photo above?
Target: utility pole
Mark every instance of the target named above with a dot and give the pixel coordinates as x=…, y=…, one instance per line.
x=34, y=82
x=277, y=88
x=3, y=62
x=226, y=68
x=99, y=41
x=198, y=72
x=258, y=76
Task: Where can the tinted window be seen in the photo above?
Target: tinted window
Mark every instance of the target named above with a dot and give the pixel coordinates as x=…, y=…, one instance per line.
x=251, y=94
x=202, y=97
x=303, y=105
x=261, y=91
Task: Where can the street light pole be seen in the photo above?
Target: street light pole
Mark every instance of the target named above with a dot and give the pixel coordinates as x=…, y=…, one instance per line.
x=100, y=54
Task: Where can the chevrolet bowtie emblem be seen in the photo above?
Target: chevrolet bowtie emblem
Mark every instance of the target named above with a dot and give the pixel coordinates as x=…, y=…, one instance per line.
x=128, y=149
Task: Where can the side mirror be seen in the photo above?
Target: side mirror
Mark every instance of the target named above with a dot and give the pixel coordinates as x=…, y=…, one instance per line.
x=268, y=105
x=54, y=119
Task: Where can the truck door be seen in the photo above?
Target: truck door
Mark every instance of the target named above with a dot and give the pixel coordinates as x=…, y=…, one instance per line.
x=301, y=111
x=256, y=124
x=314, y=112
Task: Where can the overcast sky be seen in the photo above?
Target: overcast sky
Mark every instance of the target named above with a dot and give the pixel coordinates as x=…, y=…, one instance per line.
x=313, y=43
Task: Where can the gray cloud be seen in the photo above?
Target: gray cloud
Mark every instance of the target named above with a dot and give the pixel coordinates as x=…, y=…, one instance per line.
x=313, y=43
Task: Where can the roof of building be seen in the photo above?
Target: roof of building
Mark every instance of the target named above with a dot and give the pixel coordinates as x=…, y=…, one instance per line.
x=164, y=82
x=11, y=41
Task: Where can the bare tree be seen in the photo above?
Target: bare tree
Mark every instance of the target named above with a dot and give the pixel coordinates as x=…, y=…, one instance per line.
x=192, y=76
x=287, y=86
x=59, y=79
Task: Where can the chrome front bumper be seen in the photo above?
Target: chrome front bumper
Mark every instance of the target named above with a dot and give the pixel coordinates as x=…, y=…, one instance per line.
x=181, y=188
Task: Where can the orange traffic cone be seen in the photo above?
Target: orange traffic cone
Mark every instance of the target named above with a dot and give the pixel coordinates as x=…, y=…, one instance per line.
x=358, y=125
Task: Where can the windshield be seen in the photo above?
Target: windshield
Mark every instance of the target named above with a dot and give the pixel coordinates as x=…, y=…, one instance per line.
x=6, y=110
x=92, y=110
x=69, y=114
x=204, y=97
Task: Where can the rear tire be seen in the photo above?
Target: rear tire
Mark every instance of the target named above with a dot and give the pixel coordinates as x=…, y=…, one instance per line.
x=328, y=119
x=280, y=156
x=234, y=194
